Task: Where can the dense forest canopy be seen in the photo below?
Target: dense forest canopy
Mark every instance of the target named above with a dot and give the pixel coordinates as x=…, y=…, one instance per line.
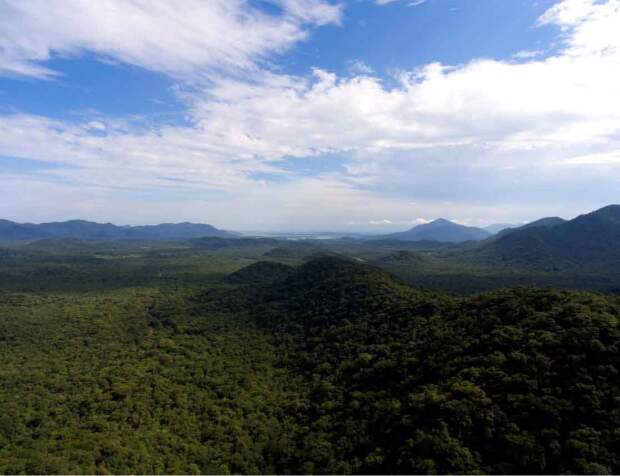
x=332, y=366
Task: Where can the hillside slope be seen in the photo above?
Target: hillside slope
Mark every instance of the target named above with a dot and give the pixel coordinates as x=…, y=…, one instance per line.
x=547, y=222
x=589, y=241
x=403, y=381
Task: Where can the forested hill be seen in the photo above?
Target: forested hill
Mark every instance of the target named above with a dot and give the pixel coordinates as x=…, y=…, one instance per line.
x=405, y=381
x=589, y=242
x=328, y=367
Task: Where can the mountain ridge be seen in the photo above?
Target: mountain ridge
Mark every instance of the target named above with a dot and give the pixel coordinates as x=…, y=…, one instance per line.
x=84, y=229
x=589, y=240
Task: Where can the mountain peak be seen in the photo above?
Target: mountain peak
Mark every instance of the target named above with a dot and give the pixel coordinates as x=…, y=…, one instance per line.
x=441, y=221
x=442, y=230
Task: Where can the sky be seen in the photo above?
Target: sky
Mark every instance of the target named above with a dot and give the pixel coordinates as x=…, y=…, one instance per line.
x=300, y=115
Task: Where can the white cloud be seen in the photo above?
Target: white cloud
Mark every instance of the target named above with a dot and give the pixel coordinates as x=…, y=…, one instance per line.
x=556, y=102
x=591, y=27
x=155, y=34
x=318, y=12
x=528, y=54
x=605, y=158
x=483, y=141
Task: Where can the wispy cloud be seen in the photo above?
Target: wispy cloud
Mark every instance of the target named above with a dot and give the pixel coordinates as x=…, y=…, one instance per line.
x=212, y=35
x=528, y=54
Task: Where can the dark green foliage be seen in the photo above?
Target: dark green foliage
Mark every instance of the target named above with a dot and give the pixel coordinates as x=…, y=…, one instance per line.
x=216, y=243
x=422, y=245
x=409, y=258
x=260, y=273
x=175, y=360
x=399, y=381
x=67, y=245
x=131, y=383
x=295, y=249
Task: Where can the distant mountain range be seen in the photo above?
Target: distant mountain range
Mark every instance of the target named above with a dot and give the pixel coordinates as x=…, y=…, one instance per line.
x=588, y=242
x=552, y=243
x=440, y=230
x=87, y=230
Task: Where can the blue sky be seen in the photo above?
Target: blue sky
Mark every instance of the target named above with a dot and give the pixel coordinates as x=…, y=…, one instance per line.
x=363, y=115
x=385, y=38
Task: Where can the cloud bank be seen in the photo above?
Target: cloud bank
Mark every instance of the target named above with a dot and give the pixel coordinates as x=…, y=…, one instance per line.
x=495, y=134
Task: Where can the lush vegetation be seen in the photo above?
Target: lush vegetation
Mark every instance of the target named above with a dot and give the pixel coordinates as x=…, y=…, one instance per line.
x=105, y=383
x=148, y=359
x=402, y=381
